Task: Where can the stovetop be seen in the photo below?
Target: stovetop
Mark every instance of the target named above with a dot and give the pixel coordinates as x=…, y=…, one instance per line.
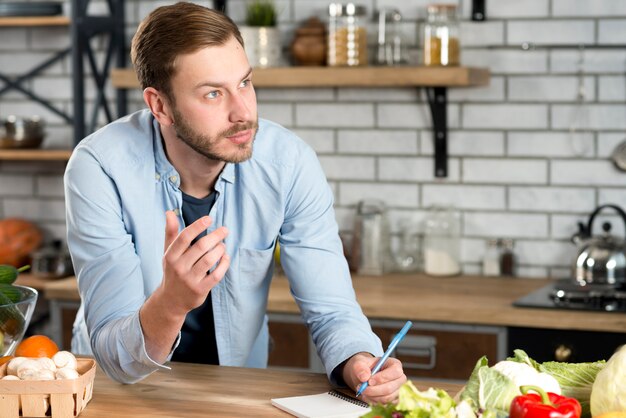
x=567, y=294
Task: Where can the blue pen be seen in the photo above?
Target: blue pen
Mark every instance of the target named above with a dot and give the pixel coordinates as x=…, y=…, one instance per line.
x=392, y=346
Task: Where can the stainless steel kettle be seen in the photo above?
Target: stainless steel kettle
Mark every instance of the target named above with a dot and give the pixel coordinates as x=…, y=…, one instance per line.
x=601, y=260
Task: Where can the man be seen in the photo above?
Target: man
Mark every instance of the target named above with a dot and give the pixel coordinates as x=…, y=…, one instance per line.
x=172, y=220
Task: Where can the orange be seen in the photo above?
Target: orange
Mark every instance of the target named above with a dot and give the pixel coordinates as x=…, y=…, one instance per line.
x=36, y=346
x=5, y=359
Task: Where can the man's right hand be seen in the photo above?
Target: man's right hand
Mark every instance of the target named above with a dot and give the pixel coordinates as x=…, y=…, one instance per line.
x=186, y=277
x=186, y=282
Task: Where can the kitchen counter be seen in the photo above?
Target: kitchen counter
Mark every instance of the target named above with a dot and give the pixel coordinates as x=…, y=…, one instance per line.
x=474, y=300
x=192, y=390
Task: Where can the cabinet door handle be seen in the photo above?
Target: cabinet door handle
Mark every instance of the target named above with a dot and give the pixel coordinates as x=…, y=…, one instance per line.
x=418, y=346
x=562, y=353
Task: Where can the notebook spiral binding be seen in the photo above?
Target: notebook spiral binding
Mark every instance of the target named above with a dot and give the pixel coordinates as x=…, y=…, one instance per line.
x=347, y=398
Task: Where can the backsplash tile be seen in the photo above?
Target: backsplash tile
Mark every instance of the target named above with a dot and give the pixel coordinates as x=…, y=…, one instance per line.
x=514, y=170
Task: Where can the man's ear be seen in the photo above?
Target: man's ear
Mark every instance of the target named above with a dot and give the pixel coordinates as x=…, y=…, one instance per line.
x=159, y=106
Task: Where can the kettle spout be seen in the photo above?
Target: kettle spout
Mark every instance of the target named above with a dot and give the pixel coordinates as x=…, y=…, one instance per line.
x=582, y=234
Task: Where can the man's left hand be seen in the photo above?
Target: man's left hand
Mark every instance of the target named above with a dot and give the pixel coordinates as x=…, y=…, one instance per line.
x=383, y=387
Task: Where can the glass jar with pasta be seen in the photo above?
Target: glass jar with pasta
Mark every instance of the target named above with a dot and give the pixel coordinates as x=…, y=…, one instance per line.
x=347, y=36
x=441, y=36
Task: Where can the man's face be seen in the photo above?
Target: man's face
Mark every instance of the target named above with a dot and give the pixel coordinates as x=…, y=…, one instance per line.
x=214, y=107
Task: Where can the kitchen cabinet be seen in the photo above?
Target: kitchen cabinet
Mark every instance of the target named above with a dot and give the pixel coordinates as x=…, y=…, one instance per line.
x=564, y=345
x=429, y=350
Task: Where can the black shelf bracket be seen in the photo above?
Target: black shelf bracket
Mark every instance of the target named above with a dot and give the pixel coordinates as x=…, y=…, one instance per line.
x=16, y=84
x=84, y=27
x=438, y=103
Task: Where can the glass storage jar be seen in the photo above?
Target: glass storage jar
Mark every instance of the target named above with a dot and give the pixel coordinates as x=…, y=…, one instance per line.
x=347, y=36
x=441, y=36
x=442, y=242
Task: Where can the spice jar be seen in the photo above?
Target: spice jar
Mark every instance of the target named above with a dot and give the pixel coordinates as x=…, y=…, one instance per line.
x=442, y=245
x=347, y=36
x=507, y=258
x=491, y=259
x=441, y=36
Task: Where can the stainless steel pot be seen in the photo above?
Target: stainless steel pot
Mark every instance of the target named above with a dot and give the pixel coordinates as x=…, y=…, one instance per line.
x=601, y=260
x=52, y=261
x=22, y=132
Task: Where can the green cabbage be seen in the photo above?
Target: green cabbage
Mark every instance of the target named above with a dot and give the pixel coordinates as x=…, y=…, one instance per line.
x=496, y=391
x=575, y=379
x=608, y=392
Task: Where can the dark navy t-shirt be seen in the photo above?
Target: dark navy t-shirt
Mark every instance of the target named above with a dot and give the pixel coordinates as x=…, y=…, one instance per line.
x=197, y=342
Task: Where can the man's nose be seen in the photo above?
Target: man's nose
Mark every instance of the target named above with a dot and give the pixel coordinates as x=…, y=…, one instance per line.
x=239, y=110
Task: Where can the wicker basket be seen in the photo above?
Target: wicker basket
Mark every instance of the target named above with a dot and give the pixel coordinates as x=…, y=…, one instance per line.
x=52, y=398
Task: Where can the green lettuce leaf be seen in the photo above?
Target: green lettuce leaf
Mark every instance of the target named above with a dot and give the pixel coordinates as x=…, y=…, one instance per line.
x=470, y=391
x=575, y=379
x=496, y=390
x=413, y=403
x=520, y=356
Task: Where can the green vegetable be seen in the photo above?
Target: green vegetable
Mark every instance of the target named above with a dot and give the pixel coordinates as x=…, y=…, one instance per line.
x=575, y=379
x=413, y=403
x=12, y=320
x=490, y=389
x=8, y=274
x=13, y=293
x=608, y=392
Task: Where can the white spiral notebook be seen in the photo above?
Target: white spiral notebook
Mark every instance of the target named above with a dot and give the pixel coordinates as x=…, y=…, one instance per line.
x=332, y=404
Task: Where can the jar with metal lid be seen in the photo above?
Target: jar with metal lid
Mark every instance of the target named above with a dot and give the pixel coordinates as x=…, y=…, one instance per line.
x=347, y=36
x=441, y=36
x=442, y=248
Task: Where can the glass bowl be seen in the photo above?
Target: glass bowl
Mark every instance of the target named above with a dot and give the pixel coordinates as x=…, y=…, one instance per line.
x=15, y=316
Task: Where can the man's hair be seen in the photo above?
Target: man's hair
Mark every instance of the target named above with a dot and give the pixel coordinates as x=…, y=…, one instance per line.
x=174, y=30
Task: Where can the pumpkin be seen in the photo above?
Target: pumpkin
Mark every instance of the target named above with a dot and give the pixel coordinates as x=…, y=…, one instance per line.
x=18, y=239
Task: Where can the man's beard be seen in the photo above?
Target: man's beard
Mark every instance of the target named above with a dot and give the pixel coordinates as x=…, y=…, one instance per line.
x=210, y=147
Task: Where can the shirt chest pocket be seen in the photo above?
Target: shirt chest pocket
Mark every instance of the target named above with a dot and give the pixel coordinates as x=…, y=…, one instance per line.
x=254, y=266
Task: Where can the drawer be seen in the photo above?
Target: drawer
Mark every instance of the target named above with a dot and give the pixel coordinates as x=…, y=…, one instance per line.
x=444, y=352
x=289, y=345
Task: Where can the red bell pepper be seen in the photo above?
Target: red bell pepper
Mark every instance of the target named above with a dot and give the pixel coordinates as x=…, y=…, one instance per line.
x=543, y=405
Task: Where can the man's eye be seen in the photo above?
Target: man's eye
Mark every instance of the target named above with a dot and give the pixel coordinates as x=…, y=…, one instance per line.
x=213, y=94
x=245, y=83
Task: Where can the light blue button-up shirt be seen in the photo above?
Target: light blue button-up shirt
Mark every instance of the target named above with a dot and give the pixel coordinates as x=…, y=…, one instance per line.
x=118, y=185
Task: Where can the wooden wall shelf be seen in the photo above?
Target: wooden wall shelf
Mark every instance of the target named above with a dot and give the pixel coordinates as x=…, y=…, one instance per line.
x=285, y=77
x=436, y=81
x=35, y=154
x=35, y=21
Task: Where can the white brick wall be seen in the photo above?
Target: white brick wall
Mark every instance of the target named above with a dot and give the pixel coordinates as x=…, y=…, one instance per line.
x=514, y=169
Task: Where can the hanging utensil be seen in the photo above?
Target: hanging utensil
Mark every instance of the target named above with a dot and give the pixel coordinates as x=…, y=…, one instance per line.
x=619, y=153
x=579, y=118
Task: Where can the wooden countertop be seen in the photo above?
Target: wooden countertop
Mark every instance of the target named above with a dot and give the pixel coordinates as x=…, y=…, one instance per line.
x=467, y=300
x=216, y=391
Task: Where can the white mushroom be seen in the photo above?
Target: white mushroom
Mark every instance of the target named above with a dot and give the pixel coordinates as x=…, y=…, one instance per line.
x=10, y=377
x=45, y=374
x=28, y=374
x=64, y=359
x=14, y=364
x=47, y=363
x=28, y=364
x=66, y=373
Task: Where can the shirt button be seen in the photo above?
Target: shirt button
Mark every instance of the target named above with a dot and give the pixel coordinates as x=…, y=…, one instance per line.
x=173, y=179
x=157, y=176
x=177, y=211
